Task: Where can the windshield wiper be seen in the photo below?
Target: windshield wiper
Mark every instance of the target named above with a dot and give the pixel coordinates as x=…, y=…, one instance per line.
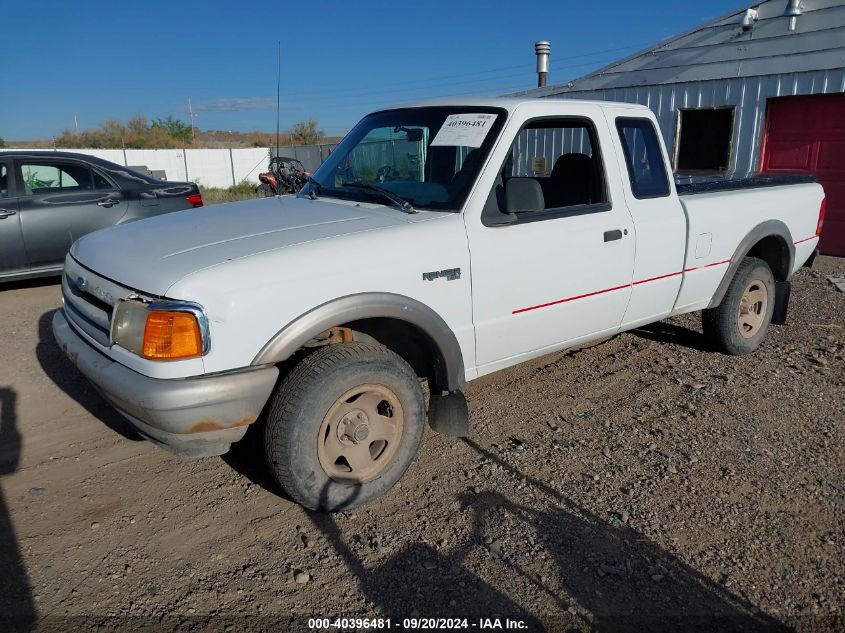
x=399, y=202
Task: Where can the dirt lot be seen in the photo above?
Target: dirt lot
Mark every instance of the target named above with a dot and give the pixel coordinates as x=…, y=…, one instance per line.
x=641, y=484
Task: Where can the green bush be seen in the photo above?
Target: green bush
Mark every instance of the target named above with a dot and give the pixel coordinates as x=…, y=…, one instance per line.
x=244, y=190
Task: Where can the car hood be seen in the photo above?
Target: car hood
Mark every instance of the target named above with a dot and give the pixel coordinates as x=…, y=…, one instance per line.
x=151, y=255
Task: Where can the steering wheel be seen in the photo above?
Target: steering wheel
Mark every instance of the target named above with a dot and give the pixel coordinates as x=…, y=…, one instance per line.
x=384, y=172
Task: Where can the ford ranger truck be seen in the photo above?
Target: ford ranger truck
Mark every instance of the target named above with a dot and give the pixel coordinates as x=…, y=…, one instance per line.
x=438, y=243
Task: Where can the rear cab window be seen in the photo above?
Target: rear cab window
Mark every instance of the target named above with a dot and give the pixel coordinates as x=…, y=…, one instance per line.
x=643, y=157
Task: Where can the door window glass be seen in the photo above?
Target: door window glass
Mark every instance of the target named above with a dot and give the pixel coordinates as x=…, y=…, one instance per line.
x=646, y=169
x=4, y=181
x=100, y=181
x=49, y=177
x=554, y=169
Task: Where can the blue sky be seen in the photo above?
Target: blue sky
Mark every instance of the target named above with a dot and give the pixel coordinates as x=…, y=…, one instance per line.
x=100, y=60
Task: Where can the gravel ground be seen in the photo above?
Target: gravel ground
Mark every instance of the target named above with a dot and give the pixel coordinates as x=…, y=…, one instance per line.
x=643, y=483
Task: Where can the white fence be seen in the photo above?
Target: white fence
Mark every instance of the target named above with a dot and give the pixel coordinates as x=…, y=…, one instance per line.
x=209, y=167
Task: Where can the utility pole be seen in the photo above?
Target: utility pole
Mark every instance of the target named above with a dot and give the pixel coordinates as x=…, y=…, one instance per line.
x=75, y=125
x=191, y=116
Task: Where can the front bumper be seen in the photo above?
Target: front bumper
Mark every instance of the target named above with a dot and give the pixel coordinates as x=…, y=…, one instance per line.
x=194, y=417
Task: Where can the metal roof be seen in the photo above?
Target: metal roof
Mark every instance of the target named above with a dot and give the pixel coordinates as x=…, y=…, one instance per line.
x=723, y=49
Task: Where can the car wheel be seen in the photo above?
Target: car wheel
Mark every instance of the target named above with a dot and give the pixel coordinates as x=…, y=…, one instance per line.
x=740, y=322
x=344, y=425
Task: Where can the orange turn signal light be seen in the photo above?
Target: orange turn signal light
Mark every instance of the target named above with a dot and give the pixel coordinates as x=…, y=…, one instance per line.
x=171, y=335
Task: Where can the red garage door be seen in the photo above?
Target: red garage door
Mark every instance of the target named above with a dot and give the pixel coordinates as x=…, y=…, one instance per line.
x=808, y=134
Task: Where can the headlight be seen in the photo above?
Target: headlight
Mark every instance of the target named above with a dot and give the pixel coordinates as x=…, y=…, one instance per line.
x=163, y=330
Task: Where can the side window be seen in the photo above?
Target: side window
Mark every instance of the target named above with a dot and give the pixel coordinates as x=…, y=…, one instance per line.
x=646, y=169
x=48, y=177
x=100, y=181
x=4, y=181
x=554, y=168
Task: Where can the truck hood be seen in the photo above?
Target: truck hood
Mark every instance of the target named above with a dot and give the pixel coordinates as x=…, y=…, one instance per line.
x=151, y=255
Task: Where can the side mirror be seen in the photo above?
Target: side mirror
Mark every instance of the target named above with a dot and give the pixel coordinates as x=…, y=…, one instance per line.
x=523, y=195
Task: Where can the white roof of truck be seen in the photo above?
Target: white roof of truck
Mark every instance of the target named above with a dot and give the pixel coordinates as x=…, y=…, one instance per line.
x=512, y=103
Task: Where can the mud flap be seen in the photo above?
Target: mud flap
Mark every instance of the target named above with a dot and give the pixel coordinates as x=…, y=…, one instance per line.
x=782, y=291
x=448, y=414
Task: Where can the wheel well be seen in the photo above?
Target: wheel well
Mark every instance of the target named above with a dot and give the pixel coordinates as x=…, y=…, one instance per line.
x=409, y=342
x=775, y=252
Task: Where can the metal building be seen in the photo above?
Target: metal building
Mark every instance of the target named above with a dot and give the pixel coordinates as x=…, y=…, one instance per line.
x=759, y=89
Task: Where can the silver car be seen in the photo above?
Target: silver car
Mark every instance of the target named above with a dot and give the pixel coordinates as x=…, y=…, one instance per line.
x=50, y=199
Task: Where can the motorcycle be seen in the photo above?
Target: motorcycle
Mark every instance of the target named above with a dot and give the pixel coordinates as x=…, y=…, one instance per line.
x=284, y=175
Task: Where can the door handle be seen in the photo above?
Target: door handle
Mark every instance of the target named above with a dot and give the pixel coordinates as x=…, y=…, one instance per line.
x=108, y=202
x=5, y=213
x=610, y=236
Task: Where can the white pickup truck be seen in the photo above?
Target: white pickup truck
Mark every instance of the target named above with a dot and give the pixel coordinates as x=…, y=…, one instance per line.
x=437, y=243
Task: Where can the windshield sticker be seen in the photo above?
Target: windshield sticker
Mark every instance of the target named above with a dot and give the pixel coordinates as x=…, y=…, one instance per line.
x=464, y=130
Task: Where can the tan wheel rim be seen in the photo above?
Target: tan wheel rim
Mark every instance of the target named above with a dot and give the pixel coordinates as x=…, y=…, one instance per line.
x=752, y=309
x=360, y=434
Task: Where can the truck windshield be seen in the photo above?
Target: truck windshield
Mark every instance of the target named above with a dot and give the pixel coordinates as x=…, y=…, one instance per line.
x=428, y=156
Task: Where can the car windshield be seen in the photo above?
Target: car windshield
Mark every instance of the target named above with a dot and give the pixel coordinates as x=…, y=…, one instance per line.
x=426, y=156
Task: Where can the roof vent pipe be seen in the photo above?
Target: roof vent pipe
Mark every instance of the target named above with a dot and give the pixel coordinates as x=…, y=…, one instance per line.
x=543, y=49
x=748, y=19
x=793, y=10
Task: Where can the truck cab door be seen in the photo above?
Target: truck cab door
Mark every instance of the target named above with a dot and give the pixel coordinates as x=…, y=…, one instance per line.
x=558, y=270
x=12, y=251
x=660, y=225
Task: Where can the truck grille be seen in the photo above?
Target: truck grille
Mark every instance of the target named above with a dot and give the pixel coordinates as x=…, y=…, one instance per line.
x=89, y=300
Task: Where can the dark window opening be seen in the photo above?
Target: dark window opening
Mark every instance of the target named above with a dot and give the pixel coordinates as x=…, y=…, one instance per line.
x=704, y=139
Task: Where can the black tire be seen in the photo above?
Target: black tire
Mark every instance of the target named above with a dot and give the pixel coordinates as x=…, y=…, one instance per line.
x=722, y=327
x=264, y=190
x=301, y=406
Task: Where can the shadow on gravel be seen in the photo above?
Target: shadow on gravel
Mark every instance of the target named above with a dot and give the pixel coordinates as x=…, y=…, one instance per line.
x=17, y=607
x=70, y=380
x=611, y=578
x=247, y=458
x=621, y=579
x=663, y=332
x=420, y=582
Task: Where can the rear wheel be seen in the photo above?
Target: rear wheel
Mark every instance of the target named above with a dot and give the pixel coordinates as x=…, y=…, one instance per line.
x=739, y=324
x=344, y=425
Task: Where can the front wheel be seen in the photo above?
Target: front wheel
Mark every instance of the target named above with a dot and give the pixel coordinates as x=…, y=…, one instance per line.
x=740, y=322
x=264, y=190
x=344, y=425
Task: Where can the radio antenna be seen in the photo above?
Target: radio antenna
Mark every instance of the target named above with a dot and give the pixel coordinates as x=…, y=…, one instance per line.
x=278, y=96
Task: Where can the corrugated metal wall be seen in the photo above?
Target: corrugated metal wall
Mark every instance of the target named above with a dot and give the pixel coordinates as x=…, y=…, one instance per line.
x=747, y=94
x=550, y=144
